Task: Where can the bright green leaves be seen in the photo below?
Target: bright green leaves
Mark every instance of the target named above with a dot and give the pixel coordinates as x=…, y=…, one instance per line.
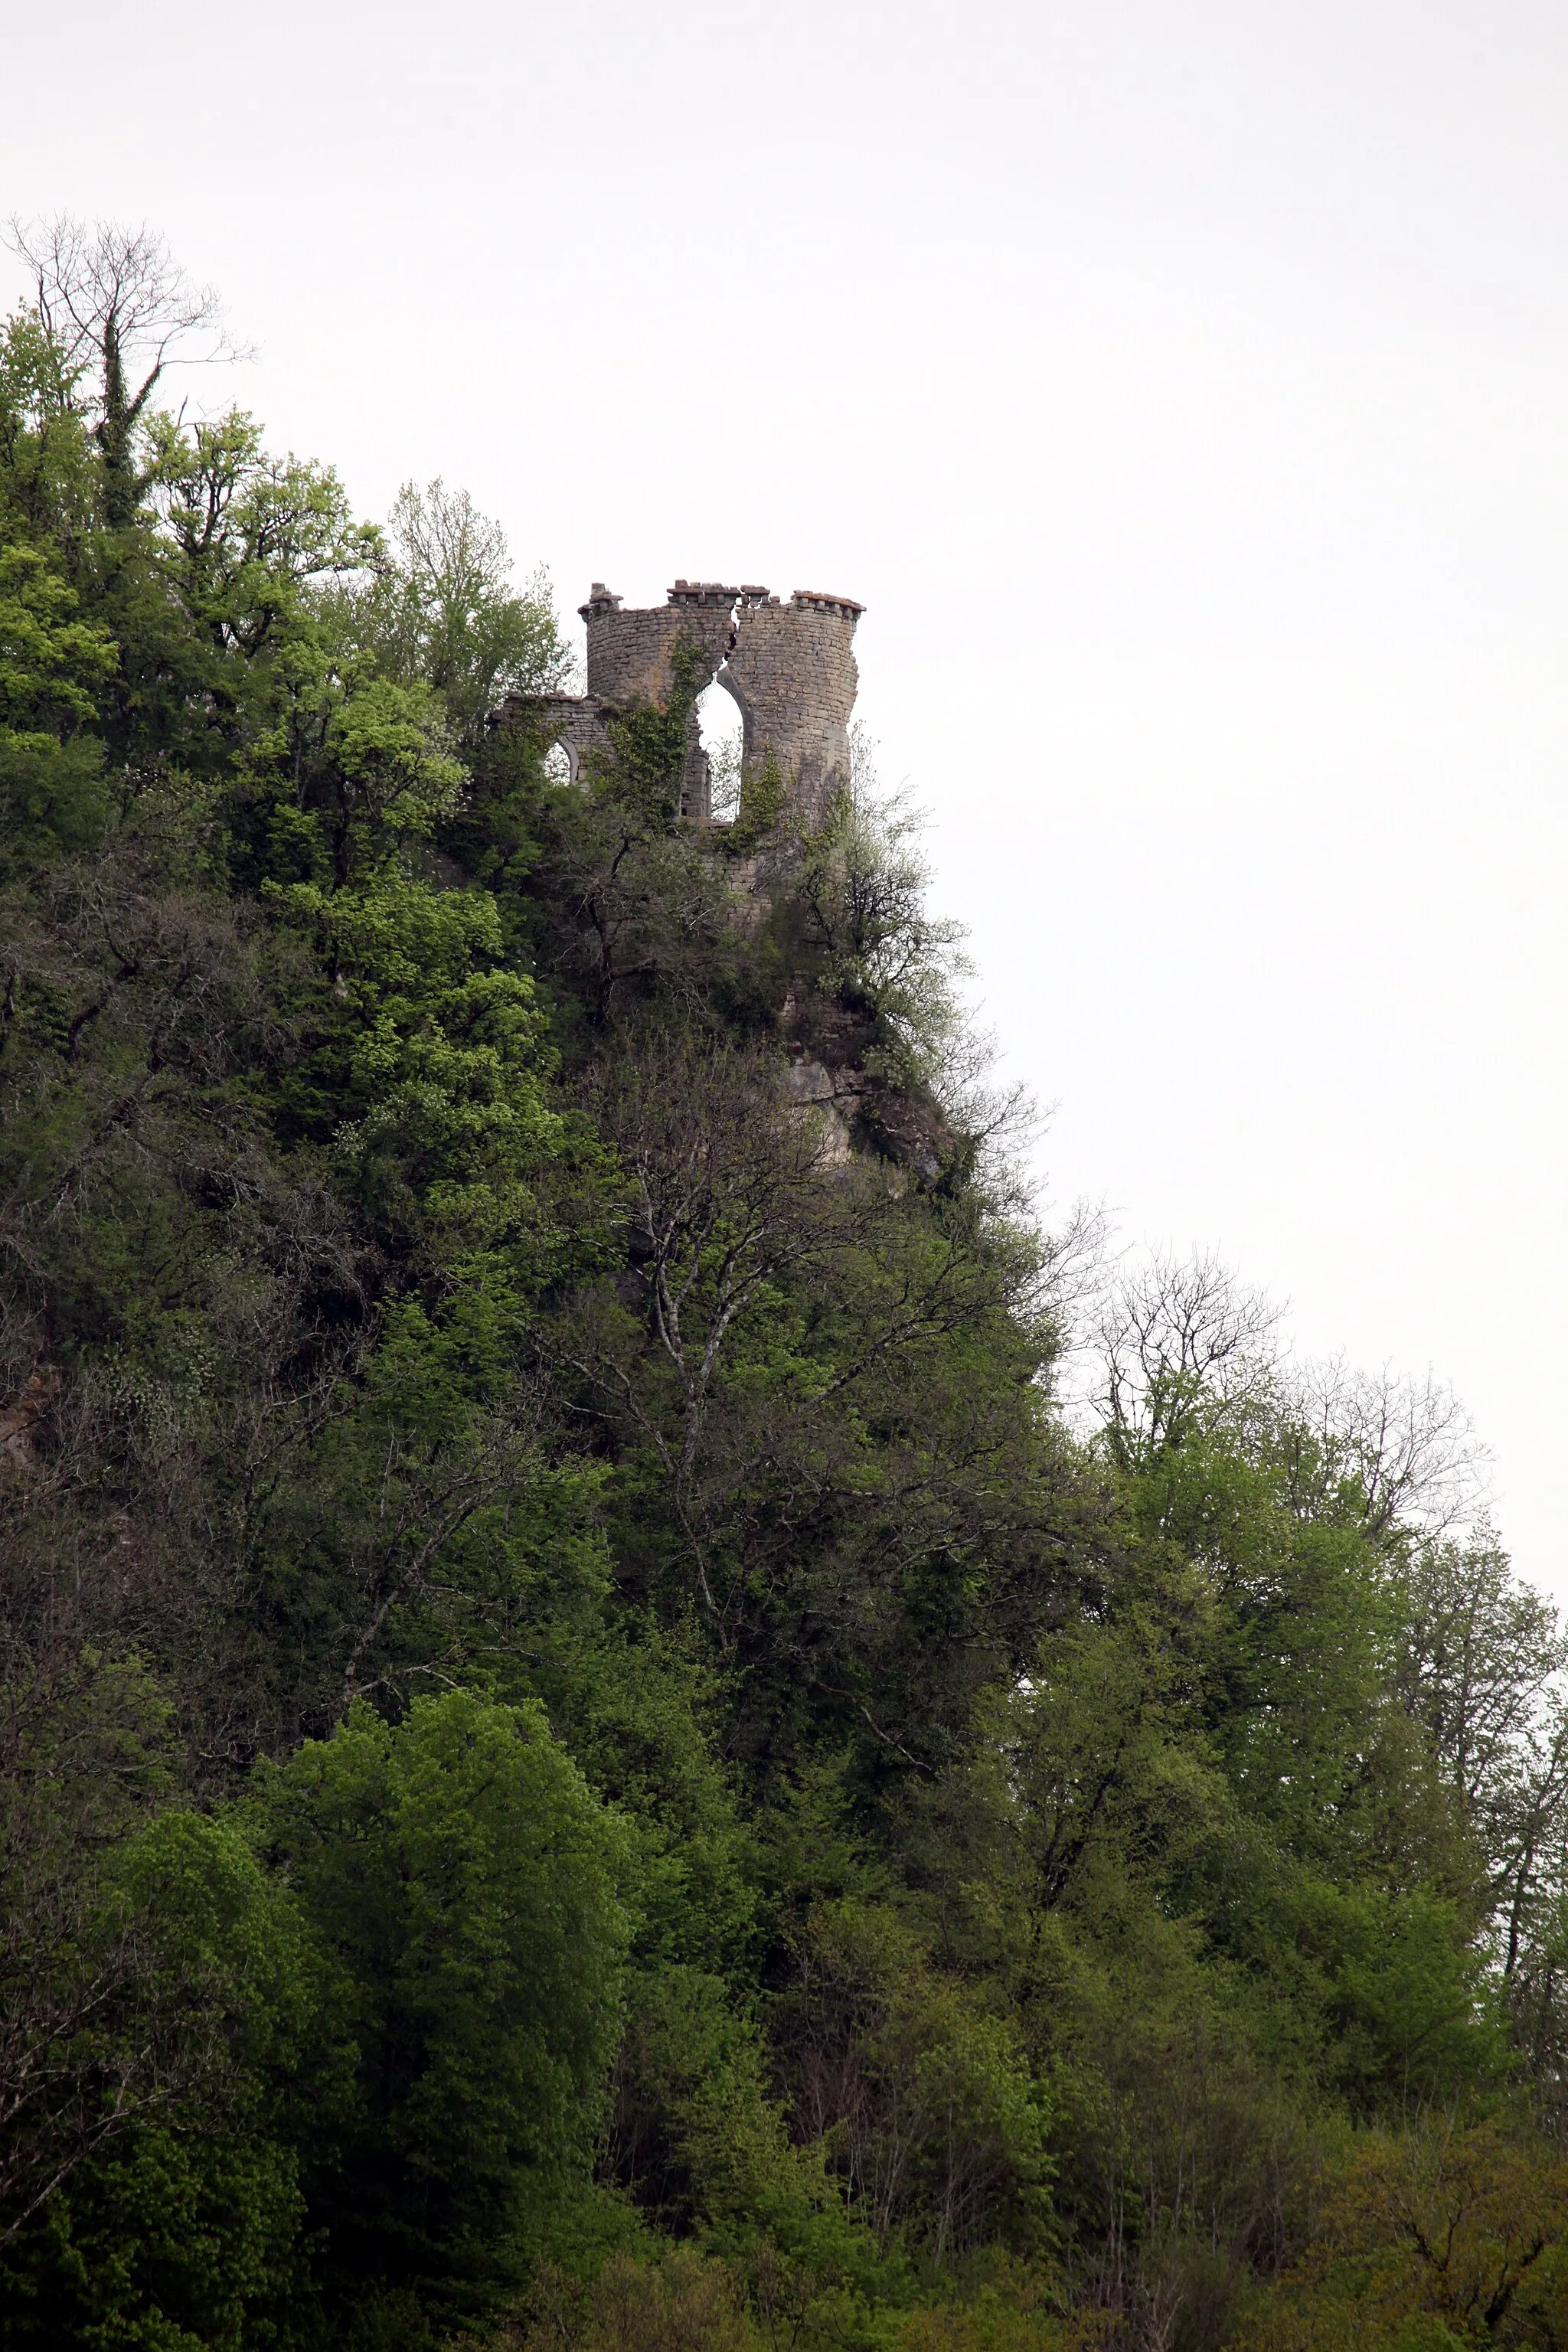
x=1224, y=1745
x=48, y=466
x=426, y=1056
x=388, y=777
x=1285, y=1675
x=1016, y=1842
x=1103, y=1767
x=53, y=796
x=463, y=1883
x=248, y=532
x=439, y=606
x=53, y=666
x=51, y=660
x=370, y=2014
x=197, y=1999
x=1411, y=2017
x=221, y=1936
x=368, y=763
x=431, y=1061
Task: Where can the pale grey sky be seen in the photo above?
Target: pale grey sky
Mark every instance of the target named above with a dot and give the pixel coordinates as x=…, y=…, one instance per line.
x=1184, y=391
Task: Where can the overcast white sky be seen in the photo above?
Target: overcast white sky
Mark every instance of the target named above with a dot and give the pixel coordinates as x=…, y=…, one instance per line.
x=1184, y=388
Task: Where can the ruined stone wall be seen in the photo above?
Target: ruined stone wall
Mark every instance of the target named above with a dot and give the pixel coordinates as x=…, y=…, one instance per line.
x=630, y=654
x=793, y=673
x=790, y=667
x=575, y=722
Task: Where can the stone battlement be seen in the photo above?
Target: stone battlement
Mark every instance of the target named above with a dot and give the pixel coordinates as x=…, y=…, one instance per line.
x=790, y=668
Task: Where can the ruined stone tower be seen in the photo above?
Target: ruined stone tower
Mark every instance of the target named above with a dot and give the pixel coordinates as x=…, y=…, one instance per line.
x=790, y=667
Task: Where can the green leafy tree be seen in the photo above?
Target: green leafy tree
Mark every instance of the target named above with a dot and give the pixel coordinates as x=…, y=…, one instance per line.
x=463, y=1883
x=440, y=609
x=53, y=665
x=173, y=2217
x=588, y=1740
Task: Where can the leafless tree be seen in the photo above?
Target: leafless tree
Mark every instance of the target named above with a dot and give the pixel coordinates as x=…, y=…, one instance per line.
x=1174, y=1331
x=1409, y=1442
x=116, y=301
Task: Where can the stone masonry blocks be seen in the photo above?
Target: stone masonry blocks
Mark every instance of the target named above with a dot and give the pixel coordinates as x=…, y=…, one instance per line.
x=791, y=668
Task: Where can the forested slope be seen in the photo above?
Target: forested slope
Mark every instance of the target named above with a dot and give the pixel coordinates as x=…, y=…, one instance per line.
x=589, y=1753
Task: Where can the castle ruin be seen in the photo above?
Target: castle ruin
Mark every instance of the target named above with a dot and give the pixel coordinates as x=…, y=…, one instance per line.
x=790, y=668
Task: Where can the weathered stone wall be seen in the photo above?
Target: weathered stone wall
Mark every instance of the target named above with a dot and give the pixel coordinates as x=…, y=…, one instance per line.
x=791, y=668
x=630, y=654
x=793, y=672
x=575, y=722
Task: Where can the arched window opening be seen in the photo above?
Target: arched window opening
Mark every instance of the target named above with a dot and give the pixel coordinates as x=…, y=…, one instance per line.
x=721, y=729
x=559, y=766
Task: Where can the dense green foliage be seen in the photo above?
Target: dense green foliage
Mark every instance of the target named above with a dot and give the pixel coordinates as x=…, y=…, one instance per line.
x=591, y=1751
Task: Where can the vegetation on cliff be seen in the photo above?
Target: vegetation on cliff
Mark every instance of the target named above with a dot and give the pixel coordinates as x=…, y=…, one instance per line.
x=591, y=1751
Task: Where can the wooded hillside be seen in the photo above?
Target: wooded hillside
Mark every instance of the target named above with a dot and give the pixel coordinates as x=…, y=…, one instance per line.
x=590, y=1753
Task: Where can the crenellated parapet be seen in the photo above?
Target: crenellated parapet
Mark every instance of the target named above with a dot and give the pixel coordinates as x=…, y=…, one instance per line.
x=789, y=666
